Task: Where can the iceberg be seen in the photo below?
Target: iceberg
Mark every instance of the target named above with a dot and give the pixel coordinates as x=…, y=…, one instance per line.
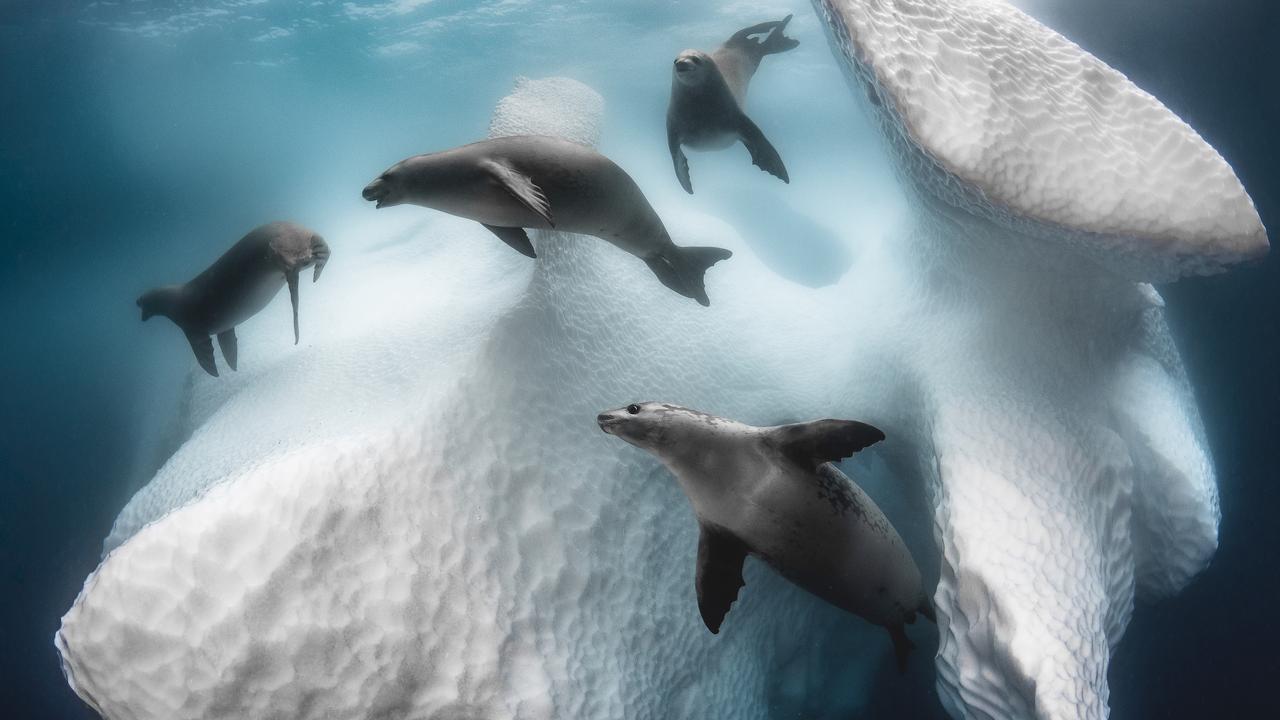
x=1058, y=430
x=412, y=514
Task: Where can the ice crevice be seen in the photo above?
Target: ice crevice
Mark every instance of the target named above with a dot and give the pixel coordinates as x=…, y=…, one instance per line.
x=431, y=526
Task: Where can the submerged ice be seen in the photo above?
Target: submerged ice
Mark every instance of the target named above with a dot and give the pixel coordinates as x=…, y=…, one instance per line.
x=414, y=515
x=1060, y=437
x=445, y=533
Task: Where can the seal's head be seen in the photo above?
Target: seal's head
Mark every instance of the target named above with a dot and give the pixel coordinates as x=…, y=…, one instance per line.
x=159, y=301
x=399, y=184
x=655, y=426
x=692, y=67
x=638, y=423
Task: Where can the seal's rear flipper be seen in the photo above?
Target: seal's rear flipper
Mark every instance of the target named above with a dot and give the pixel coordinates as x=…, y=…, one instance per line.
x=719, y=576
x=202, y=345
x=684, y=269
x=515, y=237
x=521, y=187
x=763, y=154
x=902, y=646
x=292, y=278
x=775, y=43
x=666, y=274
x=822, y=441
x=227, y=341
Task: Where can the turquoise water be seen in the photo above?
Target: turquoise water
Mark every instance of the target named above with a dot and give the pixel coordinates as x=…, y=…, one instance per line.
x=142, y=138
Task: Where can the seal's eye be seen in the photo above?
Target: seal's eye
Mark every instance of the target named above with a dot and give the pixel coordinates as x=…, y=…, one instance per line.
x=633, y=409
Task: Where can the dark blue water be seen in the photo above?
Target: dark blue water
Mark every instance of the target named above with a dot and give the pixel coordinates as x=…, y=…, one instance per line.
x=90, y=215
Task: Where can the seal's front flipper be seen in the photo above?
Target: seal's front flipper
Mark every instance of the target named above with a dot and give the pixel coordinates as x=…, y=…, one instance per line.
x=515, y=237
x=720, y=558
x=822, y=441
x=202, y=345
x=320, y=254
x=763, y=154
x=521, y=188
x=292, y=278
x=678, y=159
x=227, y=341
x=902, y=646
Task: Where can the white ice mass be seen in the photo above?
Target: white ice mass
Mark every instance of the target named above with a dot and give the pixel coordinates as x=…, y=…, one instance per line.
x=412, y=515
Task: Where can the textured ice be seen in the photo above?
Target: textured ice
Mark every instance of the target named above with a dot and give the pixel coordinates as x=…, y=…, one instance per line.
x=1068, y=463
x=403, y=283
x=1021, y=126
x=413, y=515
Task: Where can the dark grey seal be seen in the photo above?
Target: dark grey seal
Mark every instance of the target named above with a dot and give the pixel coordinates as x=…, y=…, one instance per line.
x=531, y=181
x=773, y=492
x=237, y=286
x=709, y=99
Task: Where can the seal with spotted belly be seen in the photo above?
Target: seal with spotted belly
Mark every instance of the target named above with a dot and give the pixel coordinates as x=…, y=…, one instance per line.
x=709, y=99
x=531, y=181
x=237, y=286
x=773, y=492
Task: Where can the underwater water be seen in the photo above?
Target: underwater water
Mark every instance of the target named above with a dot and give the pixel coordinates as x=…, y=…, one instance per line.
x=413, y=513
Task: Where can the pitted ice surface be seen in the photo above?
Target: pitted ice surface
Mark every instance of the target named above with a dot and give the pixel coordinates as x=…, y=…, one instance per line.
x=414, y=515
x=1069, y=468
x=1019, y=124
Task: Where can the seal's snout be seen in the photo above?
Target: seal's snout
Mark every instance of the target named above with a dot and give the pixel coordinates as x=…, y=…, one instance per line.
x=686, y=62
x=376, y=191
x=606, y=421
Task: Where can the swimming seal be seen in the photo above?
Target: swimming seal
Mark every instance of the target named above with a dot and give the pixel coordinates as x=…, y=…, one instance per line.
x=236, y=286
x=531, y=181
x=773, y=492
x=709, y=99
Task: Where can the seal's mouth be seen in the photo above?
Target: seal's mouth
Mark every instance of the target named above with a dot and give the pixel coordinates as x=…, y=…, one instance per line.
x=684, y=65
x=607, y=421
x=376, y=191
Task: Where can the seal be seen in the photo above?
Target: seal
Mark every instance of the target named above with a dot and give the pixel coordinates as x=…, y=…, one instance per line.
x=236, y=286
x=709, y=99
x=531, y=181
x=773, y=492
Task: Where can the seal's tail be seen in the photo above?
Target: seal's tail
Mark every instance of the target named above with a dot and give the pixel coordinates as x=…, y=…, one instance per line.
x=683, y=269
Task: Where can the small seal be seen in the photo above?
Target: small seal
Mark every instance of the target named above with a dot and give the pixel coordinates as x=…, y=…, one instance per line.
x=773, y=492
x=236, y=286
x=709, y=98
x=532, y=181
